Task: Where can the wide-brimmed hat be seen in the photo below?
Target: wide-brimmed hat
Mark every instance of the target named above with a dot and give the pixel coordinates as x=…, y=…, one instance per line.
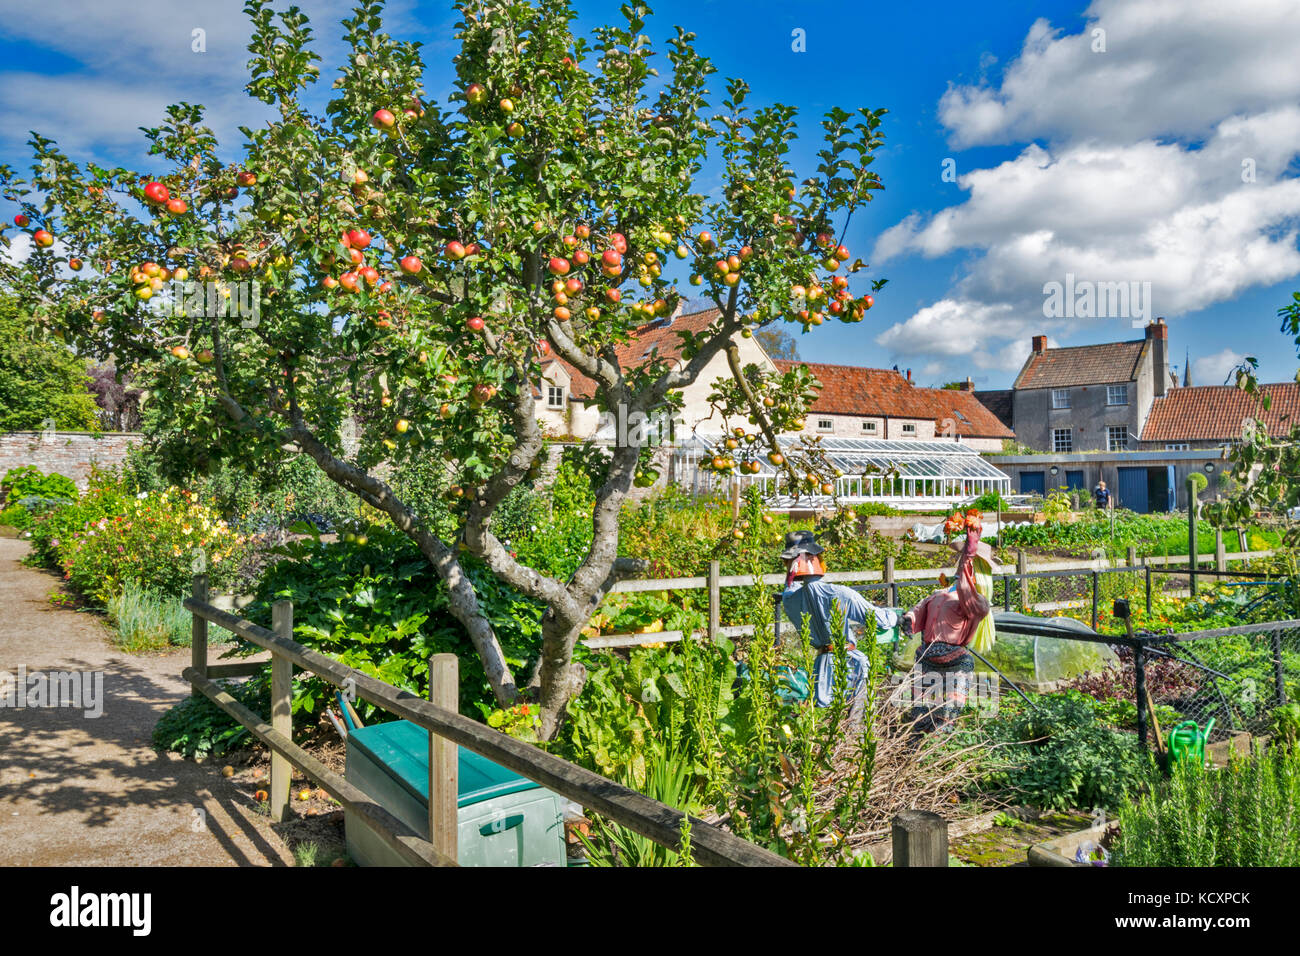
x=800, y=542
x=982, y=550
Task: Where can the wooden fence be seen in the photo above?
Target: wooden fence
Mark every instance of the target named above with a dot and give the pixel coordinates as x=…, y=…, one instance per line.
x=710, y=845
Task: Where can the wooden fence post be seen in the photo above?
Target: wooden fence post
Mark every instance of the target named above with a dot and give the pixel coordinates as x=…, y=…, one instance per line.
x=1022, y=568
x=715, y=600
x=920, y=839
x=1220, y=553
x=1241, y=540
x=887, y=576
x=1193, y=551
x=444, y=758
x=1132, y=556
x=199, y=631
x=281, y=709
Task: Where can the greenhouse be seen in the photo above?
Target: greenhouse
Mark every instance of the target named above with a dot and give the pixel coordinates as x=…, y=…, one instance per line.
x=905, y=474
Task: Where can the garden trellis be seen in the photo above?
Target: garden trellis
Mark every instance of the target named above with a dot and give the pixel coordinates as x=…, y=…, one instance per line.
x=905, y=474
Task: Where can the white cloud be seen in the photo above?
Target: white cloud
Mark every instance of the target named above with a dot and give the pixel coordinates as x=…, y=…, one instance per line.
x=1168, y=159
x=1214, y=369
x=1170, y=68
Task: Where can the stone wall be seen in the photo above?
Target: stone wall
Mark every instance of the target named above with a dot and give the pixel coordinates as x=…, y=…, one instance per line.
x=68, y=453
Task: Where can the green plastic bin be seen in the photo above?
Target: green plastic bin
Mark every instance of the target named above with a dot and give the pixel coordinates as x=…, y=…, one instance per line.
x=504, y=819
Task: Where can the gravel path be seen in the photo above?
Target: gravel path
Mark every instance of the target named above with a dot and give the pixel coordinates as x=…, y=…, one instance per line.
x=82, y=791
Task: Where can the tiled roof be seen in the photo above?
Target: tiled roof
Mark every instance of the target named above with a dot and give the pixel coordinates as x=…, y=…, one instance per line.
x=1216, y=412
x=853, y=390
x=659, y=335
x=1000, y=402
x=1082, y=365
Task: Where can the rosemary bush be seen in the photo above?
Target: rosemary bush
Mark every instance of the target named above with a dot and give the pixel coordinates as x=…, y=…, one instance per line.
x=1247, y=814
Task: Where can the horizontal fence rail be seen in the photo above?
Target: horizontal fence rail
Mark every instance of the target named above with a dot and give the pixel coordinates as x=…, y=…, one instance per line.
x=710, y=845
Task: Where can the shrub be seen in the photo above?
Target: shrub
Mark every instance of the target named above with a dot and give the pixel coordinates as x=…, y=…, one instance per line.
x=29, y=482
x=988, y=502
x=1060, y=755
x=40, y=379
x=153, y=539
x=146, y=620
x=196, y=727
x=376, y=604
x=1247, y=814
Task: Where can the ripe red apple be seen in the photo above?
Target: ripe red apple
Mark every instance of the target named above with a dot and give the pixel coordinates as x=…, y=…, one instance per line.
x=156, y=193
x=43, y=238
x=21, y=221
x=370, y=274
x=329, y=282
x=842, y=253
x=385, y=286
x=349, y=281
x=245, y=178
x=563, y=314
x=544, y=347
x=746, y=252
x=558, y=266
x=455, y=250
x=733, y=263
x=74, y=265
x=570, y=242
x=706, y=240
x=483, y=393
x=239, y=264
x=476, y=323
x=573, y=286
x=476, y=93
x=383, y=119
x=358, y=238
x=445, y=412
x=204, y=356
x=507, y=106
x=868, y=301
x=411, y=265
x=471, y=249
x=515, y=130
x=612, y=259
x=181, y=352
x=357, y=256
x=581, y=257
x=177, y=207
x=613, y=295
x=232, y=192
x=583, y=231
x=619, y=242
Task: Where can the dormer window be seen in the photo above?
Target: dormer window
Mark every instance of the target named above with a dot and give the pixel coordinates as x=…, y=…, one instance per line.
x=554, y=396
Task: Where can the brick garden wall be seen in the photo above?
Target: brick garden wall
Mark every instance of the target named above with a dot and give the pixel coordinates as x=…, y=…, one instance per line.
x=68, y=453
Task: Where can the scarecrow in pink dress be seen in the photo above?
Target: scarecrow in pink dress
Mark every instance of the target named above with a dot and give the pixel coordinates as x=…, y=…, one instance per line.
x=947, y=621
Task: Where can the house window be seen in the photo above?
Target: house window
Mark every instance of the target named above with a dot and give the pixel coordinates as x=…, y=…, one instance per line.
x=1062, y=439
x=909, y=428
x=1178, y=446
x=1116, y=437
x=1117, y=395
x=554, y=396
x=1060, y=398
x=825, y=425
x=869, y=427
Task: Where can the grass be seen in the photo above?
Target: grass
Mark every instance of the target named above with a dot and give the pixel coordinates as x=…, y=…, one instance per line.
x=146, y=620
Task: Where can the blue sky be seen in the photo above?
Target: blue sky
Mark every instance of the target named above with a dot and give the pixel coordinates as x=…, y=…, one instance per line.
x=1162, y=150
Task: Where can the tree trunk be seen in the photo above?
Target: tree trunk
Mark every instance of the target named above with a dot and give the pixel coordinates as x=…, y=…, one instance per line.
x=462, y=601
x=561, y=679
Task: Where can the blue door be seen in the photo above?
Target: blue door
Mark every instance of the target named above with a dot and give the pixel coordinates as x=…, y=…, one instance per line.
x=1074, y=481
x=1173, y=491
x=1133, y=490
x=1032, y=483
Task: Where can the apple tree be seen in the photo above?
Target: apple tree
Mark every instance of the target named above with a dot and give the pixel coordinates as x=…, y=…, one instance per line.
x=380, y=265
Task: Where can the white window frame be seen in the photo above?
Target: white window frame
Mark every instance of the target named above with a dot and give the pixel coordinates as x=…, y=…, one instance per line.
x=825, y=424
x=1110, y=392
x=1177, y=446
x=554, y=396
x=869, y=427
x=1060, y=398
x=1062, y=447
x=909, y=428
x=1110, y=438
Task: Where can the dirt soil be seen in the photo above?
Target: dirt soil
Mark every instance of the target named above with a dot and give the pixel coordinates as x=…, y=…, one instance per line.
x=82, y=791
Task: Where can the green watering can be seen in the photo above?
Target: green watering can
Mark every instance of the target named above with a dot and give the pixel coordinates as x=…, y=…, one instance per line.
x=1187, y=741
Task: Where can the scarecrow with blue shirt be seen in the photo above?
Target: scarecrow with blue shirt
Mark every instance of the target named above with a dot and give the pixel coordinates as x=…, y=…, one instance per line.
x=808, y=595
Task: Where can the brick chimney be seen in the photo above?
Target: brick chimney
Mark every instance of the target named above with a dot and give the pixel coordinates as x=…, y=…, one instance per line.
x=1040, y=343
x=909, y=376
x=968, y=385
x=1158, y=335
